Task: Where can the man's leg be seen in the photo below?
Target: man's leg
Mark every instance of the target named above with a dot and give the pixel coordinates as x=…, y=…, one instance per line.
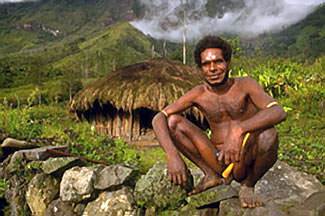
x=260, y=158
x=196, y=146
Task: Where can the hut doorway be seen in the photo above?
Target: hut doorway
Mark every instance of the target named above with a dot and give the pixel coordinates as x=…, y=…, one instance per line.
x=145, y=116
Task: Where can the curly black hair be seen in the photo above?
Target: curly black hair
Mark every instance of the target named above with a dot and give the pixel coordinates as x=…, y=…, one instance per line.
x=212, y=42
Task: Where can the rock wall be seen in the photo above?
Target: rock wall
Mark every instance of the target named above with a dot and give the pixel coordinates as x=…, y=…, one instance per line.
x=41, y=184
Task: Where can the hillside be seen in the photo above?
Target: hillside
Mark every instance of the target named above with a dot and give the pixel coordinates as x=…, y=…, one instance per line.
x=47, y=39
x=305, y=39
x=119, y=45
x=30, y=24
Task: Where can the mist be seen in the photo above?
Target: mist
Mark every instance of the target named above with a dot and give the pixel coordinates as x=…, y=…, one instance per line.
x=245, y=18
x=15, y=1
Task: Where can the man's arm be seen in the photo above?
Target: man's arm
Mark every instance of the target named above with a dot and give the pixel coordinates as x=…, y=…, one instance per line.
x=270, y=113
x=176, y=167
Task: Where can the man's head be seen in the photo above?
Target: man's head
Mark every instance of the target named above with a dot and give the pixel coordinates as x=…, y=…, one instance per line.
x=212, y=55
x=212, y=42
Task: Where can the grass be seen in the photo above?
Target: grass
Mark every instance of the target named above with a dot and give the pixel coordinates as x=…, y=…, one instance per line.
x=301, y=138
x=3, y=187
x=300, y=91
x=302, y=141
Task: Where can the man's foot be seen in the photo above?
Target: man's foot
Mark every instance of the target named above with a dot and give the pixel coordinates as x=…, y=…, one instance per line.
x=248, y=198
x=206, y=183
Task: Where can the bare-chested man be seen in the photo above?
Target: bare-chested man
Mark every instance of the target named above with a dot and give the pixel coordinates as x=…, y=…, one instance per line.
x=233, y=107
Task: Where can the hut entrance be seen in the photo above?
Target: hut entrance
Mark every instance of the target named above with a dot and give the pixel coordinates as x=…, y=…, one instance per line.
x=145, y=116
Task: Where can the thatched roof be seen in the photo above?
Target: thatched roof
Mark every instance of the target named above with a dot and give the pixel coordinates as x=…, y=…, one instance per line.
x=152, y=84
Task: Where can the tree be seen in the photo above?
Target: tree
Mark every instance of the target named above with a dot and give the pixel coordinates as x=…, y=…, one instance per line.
x=71, y=83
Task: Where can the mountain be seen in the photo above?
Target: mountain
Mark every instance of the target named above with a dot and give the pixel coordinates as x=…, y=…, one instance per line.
x=30, y=24
x=49, y=38
x=305, y=39
x=45, y=39
x=119, y=45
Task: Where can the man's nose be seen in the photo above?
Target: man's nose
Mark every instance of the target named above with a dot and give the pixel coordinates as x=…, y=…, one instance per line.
x=213, y=66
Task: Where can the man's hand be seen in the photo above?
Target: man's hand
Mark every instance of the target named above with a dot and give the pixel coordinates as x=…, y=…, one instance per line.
x=230, y=150
x=177, y=171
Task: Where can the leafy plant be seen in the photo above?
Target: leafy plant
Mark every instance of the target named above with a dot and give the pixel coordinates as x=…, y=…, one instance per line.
x=3, y=187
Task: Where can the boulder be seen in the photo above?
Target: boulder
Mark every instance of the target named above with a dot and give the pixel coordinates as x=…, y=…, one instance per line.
x=112, y=176
x=120, y=202
x=212, y=195
x=231, y=207
x=18, y=144
x=283, y=190
x=314, y=205
x=42, y=189
x=77, y=184
x=60, y=208
x=284, y=183
x=17, y=185
x=155, y=190
x=57, y=166
x=187, y=210
x=33, y=154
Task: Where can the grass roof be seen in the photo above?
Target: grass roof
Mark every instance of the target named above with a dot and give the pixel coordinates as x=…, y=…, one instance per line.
x=151, y=84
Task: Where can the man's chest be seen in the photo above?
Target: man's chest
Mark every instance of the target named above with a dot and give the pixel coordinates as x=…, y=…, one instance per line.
x=231, y=105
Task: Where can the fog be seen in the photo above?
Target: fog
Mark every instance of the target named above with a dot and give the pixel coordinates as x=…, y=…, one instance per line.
x=164, y=19
x=15, y=1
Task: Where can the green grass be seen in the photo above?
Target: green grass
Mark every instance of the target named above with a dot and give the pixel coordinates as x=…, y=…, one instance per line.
x=299, y=88
x=302, y=141
x=118, y=46
x=3, y=187
x=149, y=156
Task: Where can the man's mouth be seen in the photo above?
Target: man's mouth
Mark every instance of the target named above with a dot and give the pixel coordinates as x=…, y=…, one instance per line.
x=215, y=76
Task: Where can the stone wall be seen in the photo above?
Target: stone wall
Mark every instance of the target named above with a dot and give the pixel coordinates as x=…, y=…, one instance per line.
x=42, y=184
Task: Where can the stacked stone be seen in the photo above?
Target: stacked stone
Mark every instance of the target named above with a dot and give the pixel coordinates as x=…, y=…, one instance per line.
x=41, y=184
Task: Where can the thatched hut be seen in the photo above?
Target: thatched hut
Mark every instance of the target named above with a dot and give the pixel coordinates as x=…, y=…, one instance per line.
x=124, y=103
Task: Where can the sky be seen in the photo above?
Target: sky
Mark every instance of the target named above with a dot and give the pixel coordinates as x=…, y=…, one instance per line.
x=254, y=18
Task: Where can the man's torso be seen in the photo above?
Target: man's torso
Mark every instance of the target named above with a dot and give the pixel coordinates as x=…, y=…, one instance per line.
x=219, y=109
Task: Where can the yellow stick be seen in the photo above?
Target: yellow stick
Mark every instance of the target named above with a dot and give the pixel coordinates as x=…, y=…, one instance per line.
x=228, y=170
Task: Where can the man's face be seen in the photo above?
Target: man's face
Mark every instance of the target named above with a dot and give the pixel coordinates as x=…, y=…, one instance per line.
x=214, y=66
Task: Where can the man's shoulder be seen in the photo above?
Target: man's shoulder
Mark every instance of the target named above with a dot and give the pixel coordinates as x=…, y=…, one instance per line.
x=242, y=81
x=196, y=91
x=199, y=88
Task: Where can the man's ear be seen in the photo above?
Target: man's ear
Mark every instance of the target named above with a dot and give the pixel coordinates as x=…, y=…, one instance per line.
x=229, y=68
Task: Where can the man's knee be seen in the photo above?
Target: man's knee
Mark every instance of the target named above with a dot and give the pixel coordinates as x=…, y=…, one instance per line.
x=268, y=141
x=174, y=122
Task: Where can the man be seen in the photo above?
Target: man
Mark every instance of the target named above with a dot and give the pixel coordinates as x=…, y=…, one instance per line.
x=233, y=107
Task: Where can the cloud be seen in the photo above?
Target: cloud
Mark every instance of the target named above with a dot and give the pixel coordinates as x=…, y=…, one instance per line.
x=164, y=19
x=15, y=1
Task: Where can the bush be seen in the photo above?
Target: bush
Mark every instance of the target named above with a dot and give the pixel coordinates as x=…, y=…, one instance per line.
x=3, y=187
x=277, y=77
x=18, y=123
x=87, y=142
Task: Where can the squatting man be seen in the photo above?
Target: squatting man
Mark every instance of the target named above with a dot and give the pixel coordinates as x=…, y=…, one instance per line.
x=234, y=109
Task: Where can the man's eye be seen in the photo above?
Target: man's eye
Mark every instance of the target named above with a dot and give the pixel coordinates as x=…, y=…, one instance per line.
x=205, y=63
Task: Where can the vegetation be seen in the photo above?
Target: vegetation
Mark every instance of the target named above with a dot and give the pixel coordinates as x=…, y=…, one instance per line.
x=3, y=187
x=297, y=86
x=304, y=40
x=40, y=72
x=55, y=124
